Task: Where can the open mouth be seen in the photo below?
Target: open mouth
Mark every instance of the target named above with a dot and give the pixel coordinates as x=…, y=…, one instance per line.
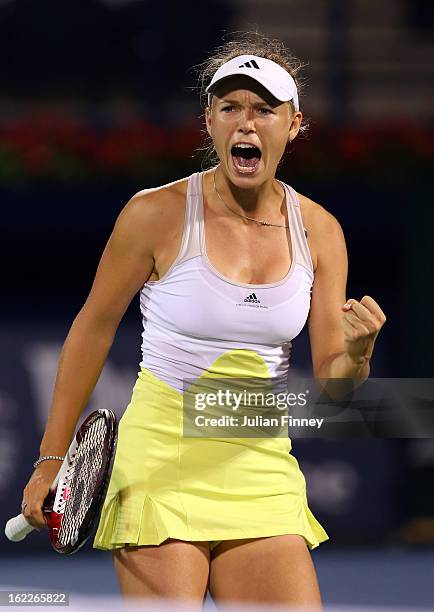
x=246, y=158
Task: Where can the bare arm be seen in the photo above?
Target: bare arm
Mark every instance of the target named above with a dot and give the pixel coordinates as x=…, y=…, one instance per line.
x=326, y=332
x=342, y=333
x=125, y=265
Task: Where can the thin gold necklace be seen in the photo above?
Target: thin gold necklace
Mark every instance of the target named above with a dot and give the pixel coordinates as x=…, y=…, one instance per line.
x=245, y=216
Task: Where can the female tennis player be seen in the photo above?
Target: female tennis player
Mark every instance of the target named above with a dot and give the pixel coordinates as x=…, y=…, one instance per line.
x=230, y=263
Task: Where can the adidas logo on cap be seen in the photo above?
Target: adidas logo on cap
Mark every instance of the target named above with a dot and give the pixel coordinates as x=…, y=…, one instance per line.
x=252, y=298
x=250, y=64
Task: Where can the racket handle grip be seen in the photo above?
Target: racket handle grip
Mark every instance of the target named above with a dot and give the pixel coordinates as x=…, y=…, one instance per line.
x=17, y=528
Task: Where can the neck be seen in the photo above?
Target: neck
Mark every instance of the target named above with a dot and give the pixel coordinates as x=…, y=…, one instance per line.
x=263, y=200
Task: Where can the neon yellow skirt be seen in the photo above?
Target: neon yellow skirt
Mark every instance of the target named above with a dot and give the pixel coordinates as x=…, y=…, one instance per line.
x=165, y=485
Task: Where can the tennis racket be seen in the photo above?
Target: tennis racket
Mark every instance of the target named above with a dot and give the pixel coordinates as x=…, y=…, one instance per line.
x=75, y=499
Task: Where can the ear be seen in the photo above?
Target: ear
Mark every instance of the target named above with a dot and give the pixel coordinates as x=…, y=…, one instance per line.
x=208, y=120
x=295, y=126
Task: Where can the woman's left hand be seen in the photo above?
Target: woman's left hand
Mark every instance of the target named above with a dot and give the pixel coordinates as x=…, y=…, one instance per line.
x=361, y=322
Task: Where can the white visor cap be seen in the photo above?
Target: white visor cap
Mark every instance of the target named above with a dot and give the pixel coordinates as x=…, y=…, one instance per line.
x=266, y=72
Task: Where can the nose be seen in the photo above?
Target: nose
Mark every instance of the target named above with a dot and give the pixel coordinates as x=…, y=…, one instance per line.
x=247, y=122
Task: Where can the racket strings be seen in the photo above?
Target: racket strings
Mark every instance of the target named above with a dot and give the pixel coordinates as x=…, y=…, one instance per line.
x=83, y=479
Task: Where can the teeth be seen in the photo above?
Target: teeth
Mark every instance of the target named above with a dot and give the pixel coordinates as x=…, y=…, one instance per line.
x=242, y=145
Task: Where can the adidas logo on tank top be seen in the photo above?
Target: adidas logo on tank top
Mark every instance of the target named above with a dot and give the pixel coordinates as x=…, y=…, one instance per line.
x=252, y=301
x=252, y=298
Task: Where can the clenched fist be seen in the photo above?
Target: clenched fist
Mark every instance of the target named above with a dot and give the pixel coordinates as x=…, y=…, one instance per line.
x=361, y=322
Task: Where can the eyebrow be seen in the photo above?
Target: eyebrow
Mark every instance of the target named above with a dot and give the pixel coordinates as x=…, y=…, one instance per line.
x=229, y=101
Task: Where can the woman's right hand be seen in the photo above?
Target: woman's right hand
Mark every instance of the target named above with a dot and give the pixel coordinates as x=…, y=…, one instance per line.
x=36, y=491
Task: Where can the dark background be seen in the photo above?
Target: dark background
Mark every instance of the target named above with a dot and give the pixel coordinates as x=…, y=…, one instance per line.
x=97, y=101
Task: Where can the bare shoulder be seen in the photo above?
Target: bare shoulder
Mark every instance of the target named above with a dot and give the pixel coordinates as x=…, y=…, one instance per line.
x=158, y=203
x=152, y=213
x=317, y=216
x=322, y=226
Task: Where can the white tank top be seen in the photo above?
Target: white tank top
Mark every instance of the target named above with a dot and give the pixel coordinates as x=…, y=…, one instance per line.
x=195, y=320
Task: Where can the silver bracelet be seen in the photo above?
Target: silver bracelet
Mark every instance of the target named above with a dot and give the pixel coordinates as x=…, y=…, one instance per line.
x=46, y=457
